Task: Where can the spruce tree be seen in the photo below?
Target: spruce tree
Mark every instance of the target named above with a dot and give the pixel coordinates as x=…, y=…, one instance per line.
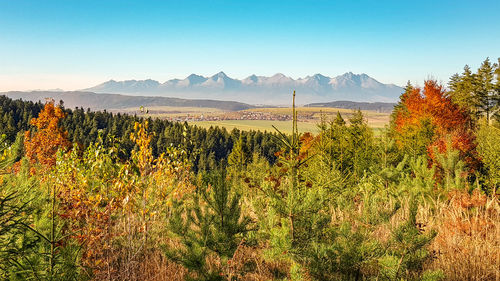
x=334, y=144
x=463, y=90
x=361, y=144
x=400, y=107
x=496, y=97
x=486, y=89
x=237, y=158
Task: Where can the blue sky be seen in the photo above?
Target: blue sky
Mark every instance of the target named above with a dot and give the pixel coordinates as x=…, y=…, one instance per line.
x=75, y=44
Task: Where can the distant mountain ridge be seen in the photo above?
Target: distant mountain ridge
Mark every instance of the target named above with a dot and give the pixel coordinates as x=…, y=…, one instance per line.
x=116, y=101
x=261, y=89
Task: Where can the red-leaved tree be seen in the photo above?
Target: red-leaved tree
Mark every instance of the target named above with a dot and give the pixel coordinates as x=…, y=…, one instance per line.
x=428, y=118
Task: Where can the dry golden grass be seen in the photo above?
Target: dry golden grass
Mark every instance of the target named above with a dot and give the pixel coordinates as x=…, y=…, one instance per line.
x=132, y=259
x=468, y=243
x=151, y=267
x=467, y=246
x=248, y=264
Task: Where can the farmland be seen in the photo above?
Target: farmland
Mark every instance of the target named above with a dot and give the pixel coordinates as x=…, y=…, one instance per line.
x=259, y=119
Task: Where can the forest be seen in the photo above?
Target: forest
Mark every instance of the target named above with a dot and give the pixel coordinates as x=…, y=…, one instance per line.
x=99, y=196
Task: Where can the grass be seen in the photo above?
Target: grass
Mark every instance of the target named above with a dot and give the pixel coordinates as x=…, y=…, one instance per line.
x=466, y=248
x=266, y=125
x=258, y=125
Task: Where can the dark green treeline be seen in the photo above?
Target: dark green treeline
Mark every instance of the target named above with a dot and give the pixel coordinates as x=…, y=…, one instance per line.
x=206, y=148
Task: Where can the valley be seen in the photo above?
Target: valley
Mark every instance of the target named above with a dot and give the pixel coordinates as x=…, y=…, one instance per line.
x=259, y=119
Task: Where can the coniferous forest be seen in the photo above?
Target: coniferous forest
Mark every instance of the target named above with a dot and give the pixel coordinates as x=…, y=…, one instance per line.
x=100, y=196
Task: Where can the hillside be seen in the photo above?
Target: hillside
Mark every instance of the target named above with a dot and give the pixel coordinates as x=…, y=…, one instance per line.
x=116, y=101
x=375, y=106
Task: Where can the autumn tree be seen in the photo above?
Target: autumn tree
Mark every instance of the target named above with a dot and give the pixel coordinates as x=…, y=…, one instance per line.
x=428, y=120
x=48, y=137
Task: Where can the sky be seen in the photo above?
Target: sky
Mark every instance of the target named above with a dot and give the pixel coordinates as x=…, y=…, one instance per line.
x=71, y=44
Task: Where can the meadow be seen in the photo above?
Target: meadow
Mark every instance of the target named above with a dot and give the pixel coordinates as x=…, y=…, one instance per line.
x=258, y=125
x=100, y=196
x=309, y=117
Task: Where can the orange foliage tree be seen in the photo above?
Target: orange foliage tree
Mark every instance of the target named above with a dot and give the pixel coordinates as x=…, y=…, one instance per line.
x=48, y=138
x=429, y=119
x=91, y=186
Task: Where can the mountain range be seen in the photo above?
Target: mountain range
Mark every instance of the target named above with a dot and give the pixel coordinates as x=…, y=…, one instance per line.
x=274, y=90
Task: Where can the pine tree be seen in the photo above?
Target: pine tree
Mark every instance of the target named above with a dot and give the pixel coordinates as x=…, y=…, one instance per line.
x=212, y=224
x=339, y=121
x=13, y=217
x=451, y=167
x=407, y=251
x=297, y=210
x=39, y=248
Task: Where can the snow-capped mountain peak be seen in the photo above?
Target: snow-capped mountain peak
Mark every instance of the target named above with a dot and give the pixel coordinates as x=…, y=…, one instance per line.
x=261, y=89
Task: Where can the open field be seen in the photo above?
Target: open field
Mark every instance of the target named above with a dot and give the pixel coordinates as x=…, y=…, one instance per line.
x=265, y=125
x=308, y=119
x=261, y=119
x=375, y=119
x=258, y=125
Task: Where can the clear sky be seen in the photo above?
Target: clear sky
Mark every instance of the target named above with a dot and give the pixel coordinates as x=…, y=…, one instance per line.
x=73, y=44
